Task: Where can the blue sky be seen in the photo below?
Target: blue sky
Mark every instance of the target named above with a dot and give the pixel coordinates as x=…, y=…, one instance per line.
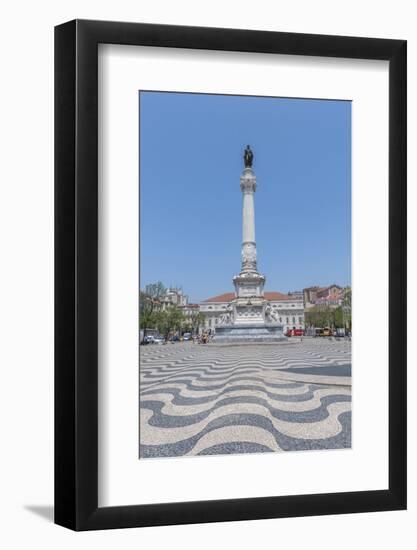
x=191, y=148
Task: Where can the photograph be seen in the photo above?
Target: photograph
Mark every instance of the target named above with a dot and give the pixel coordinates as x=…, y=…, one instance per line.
x=245, y=300
x=208, y=234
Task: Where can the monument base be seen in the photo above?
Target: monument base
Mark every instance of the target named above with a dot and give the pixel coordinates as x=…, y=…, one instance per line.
x=249, y=333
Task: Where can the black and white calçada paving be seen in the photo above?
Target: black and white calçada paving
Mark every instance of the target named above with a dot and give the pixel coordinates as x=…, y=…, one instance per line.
x=209, y=399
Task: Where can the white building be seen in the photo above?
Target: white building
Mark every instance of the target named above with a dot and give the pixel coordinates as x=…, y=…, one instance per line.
x=174, y=296
x=288, y=309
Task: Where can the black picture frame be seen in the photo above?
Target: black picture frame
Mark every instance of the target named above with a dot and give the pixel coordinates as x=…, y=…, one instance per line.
x=76, y=273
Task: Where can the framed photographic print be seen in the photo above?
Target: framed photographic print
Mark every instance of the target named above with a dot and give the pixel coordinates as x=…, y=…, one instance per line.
x=230, y=275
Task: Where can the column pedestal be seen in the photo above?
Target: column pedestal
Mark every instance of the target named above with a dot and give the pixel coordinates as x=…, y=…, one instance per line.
x=229, y=334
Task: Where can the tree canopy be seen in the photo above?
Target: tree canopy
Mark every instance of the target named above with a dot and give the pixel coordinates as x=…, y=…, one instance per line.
x=166, y=319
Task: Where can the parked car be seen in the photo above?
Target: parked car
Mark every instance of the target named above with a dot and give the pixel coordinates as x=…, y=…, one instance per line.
x=153, y=339
x=186, y=336
x=323, y=331
x=294, y=332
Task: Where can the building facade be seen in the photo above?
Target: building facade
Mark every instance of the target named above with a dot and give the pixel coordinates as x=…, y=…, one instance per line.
x=331, y=295
x=174, y=296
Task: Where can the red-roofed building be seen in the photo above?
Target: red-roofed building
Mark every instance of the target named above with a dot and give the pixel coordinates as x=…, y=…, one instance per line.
x=328, y=296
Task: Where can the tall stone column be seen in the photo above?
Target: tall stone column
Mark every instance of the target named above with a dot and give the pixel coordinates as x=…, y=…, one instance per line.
x=248, y=187
x=248, y=317
x=249, y=303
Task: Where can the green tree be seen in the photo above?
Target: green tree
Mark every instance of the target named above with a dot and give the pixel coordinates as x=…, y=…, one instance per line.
x=169, y=320
x=338, y=317
x=347, y=308
x=321, y=316
x=347, y=297
x=149, y=305
x=197, y=319
x=334, y=317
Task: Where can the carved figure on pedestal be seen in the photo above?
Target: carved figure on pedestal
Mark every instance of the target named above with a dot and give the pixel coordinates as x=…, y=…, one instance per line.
x=271, y=314
x=227, y=317
x=249, y=253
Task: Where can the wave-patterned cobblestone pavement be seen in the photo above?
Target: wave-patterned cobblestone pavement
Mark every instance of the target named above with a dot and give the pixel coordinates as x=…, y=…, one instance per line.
x=208, y=399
